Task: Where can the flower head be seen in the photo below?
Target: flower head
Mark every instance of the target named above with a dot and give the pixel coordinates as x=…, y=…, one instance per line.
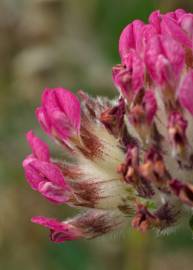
x=131, y=158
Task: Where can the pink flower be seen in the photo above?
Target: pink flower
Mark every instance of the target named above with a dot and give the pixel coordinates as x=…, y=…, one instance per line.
x=164, y=59
x=155, y=20
x=129, y=78
x=124, y=157
x=42, y=174
x=171, y=27
x=186, y=92
x=39, y=148
x=186, y=23
x=60, y=113
x=60, y=231
x=130, y=38
x=88, y=225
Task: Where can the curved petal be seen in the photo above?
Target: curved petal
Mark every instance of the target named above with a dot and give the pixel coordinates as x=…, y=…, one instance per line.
x=60, y=231
x=39, y=148
x=185, y=93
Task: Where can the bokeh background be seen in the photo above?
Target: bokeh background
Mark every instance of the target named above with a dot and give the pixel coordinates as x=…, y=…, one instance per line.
x=71, y=43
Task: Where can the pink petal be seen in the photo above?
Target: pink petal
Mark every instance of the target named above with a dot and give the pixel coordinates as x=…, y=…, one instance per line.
x=179, y=13
x=50, y=223
x=62, y=109
x=148, y=32
x=134, y=63
x=164, y=59
x=43, y=119
x=122, y=80
x=175, y=15
x=70, y=105
x=171, y=28
x=38, y=171
x=47, y=179
x=150, y=105
x=157, y=64
x=186, y=22
x=50, y=171
x=60, y=231
x=39, y=148
x=185, y=93
x=31, y=173
x=130, y=37
x=50, y=103
x=61, y=124
x=53, y=192
x=129, y=78
x=155, y=20
x=174, y=53
x=126, y=40
x=137, y=31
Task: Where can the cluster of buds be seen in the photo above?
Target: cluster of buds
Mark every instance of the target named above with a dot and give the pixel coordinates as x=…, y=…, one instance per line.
x=129, y=160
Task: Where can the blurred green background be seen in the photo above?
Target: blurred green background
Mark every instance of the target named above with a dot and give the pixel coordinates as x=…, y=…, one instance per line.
x=70, y=43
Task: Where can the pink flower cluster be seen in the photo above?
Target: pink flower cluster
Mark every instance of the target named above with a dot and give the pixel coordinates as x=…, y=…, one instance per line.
x=129, y=160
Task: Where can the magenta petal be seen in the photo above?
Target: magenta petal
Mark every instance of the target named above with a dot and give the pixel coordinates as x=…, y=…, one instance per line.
x=43, y=119
x=129, y=78
x=164, y=58
x=148, y=32
x=51, y=172
x=174, y=53
x=53, y=192
x=39, y=148
x=134, y=63
x=130, y=38
x=175, y=15
x=62, y=100
x=150, y=105
x=70, y=105
x=61, y=109
x=61, y=124
x=171, y=28
x=50, y=223
x=122, y=79
x=163, y=70
x=126, y=40
x=157, y=64
x=155, y=20
x=47, y=179
x=38, y=171
x=137, y=31
x=50, y=103
x=185, y=93
x=186, y=22
x=31, y=173
x=179, y=13
x=60, y=231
